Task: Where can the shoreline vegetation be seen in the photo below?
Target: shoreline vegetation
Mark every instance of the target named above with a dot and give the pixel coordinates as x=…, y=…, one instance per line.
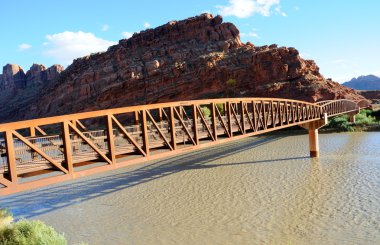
x=366, y=121
x=27, y=232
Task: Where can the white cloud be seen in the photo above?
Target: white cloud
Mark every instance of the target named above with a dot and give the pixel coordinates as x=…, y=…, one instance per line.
x=66, y=46
x=146, y=25
x=253, y=34
x=105, y=27
x=24, y=46
x=246, y=8
x=278, y=10
x=127, y=34
x=249, y=34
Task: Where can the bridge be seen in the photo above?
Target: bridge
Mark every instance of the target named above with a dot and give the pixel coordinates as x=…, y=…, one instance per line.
x=44, y=151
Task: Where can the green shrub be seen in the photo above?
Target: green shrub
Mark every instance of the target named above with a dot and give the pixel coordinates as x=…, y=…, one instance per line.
x=231, y=82
x=26, y=232
x=340, y=123
x=35, y=232
x=206, y=111
x=220, y=107
x=362, y=118
x=5, y=218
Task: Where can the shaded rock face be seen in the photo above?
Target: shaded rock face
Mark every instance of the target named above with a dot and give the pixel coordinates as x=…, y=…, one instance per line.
x=183, y=60
x=371, y=94
x=13, y=77
x=20, y=89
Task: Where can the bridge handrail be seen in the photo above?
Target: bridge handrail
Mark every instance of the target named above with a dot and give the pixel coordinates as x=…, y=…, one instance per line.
x=121, y=110
x=336, y=107
x=363, y=103
x=133, y=132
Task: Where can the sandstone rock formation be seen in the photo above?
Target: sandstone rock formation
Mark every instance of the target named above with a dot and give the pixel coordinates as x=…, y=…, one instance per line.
x=20, y=89
x=182, y=60
x=13, y=77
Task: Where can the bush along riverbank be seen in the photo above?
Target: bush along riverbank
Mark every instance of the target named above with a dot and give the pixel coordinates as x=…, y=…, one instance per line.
x=27, y=232
x=366, y=120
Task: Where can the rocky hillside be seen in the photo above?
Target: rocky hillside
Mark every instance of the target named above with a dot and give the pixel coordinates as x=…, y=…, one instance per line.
x=373, y=95
x=182, y=60
x=369, y=82
x=20, y=89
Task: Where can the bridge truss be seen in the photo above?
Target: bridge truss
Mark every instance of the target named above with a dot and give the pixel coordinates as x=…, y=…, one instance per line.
x=43, y=151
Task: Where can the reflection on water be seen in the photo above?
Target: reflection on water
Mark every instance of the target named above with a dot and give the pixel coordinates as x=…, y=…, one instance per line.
x=262, y=190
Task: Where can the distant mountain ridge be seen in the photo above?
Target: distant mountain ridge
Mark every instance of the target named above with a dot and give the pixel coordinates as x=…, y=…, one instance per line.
x=370, y=82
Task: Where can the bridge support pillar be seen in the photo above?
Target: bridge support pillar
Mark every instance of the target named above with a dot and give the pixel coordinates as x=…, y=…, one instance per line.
x=352, y=118
x=313, y=127
x=313, y=143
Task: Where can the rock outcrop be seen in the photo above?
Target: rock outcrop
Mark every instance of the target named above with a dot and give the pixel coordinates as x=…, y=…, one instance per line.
x=13, y=77
x=182, y=60
x=373, y=95
x=20, y=89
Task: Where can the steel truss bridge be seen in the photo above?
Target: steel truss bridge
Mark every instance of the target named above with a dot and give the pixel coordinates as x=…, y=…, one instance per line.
x=44, y=151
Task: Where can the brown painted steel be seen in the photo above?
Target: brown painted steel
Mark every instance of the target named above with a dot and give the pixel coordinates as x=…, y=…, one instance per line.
x=154, y=127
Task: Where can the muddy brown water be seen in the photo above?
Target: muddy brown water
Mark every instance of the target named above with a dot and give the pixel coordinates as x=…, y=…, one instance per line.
x=259, y=190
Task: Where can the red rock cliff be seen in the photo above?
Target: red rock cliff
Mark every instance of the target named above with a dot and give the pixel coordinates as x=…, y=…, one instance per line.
x=181, y=60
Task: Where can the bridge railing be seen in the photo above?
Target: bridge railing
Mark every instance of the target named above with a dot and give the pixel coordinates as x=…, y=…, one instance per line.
x=85, y=143
x=363, y=104
x=337, y=107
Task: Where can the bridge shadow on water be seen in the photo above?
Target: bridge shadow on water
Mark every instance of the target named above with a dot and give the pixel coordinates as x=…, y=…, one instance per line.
x=43, y=200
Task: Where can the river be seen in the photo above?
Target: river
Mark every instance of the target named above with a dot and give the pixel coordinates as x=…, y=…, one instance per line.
x=259, y=190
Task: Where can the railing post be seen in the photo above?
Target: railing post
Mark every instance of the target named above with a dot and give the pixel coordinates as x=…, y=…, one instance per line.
x=11, y=156
x=213, y=118
x=160, y=117
x=172, y=128
x=110, y=139
x=144, y=127
x=272, y=113
x=229, y=120
x=67, y=148
x=195, y=124
x=242, y=116
x=136, y=117
x=32, y=131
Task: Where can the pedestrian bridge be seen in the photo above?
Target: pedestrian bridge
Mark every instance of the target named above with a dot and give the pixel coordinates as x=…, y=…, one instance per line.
x=44, y=151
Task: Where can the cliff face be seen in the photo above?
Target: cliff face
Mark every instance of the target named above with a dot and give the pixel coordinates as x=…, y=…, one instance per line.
x=20, y=89
x=189, y=59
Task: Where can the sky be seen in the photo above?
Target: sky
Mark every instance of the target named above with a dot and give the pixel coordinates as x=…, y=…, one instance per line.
x=343, y=37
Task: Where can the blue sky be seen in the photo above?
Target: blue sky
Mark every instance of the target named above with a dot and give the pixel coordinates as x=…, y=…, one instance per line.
x=343, y=37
